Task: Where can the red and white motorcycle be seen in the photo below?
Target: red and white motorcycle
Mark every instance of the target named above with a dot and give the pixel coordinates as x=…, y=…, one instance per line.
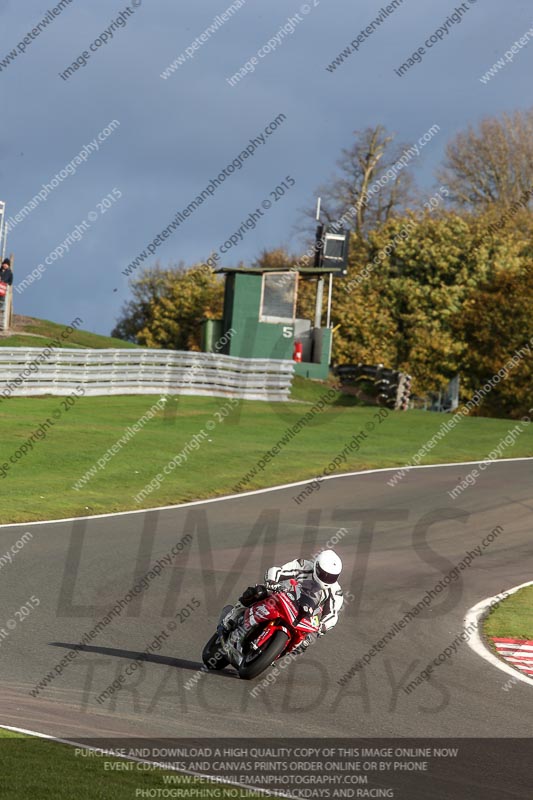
x=270, y=628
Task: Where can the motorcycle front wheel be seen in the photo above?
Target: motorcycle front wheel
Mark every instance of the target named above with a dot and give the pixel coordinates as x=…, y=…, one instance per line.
x=212, y=656
x=256, y=662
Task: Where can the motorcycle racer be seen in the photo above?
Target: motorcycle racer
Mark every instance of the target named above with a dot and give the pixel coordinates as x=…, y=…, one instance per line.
x=323, y=570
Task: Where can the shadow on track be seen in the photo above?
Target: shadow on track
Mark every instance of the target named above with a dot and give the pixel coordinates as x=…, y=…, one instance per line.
x=154, y=658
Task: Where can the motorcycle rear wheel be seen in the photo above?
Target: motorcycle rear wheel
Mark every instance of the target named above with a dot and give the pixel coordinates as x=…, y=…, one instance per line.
x=212, y=655
x=254, y=665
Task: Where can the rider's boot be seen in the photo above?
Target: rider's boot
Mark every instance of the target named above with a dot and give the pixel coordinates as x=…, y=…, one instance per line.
x=302, y=647
x=229, y=622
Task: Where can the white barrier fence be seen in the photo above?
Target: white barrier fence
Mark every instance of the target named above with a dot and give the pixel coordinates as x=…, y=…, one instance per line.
x=29, y=371
x=6, y=310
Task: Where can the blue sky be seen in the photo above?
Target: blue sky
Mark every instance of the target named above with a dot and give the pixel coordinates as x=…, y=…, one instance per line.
x=175, y=135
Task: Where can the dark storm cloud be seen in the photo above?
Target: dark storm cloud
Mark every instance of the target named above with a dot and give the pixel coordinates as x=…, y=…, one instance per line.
x=175, y=134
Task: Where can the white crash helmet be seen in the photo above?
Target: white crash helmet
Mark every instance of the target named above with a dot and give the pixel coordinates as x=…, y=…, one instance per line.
x=327, y=568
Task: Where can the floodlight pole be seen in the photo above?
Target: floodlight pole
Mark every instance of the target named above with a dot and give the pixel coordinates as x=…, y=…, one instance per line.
x=330, y=288
x=3, y=236
x=320, y=282
x=319, y=299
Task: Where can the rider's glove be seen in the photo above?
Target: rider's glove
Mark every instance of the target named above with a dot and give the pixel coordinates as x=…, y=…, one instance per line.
x=272, y=586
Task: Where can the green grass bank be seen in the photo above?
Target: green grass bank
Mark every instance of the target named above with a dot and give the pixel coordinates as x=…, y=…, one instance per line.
x=40, y=482
x=38, y=769
x=513, y=618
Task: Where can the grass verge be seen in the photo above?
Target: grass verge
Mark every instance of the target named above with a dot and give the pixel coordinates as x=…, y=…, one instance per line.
x=33, y=332
x=39, y=768
x=513, y=618
x=40, y=484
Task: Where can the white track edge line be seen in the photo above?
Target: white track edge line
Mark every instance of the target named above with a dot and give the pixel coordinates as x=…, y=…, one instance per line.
x=473, y=617
x=158, y=764
x=256, y=491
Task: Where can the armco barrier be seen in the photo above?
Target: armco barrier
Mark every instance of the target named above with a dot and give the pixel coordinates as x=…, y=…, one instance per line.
x=28, y=371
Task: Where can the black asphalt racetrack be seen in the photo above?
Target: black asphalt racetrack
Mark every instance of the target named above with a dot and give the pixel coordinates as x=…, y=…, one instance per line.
x=396, y=542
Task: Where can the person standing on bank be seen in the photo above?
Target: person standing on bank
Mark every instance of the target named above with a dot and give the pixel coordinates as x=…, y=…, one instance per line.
x=6, y=273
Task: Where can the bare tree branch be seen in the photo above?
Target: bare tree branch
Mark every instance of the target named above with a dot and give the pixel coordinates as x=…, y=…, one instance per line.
x=492, y=165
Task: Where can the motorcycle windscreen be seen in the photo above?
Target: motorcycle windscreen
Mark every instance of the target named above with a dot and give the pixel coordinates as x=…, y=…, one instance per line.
x=308, y=596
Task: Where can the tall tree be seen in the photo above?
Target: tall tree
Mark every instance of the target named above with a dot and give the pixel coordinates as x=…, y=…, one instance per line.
x=169, y=306
x=408, y=284
x=136, y=313
x=496, y=322
x=491, y=165
x=372, y=180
